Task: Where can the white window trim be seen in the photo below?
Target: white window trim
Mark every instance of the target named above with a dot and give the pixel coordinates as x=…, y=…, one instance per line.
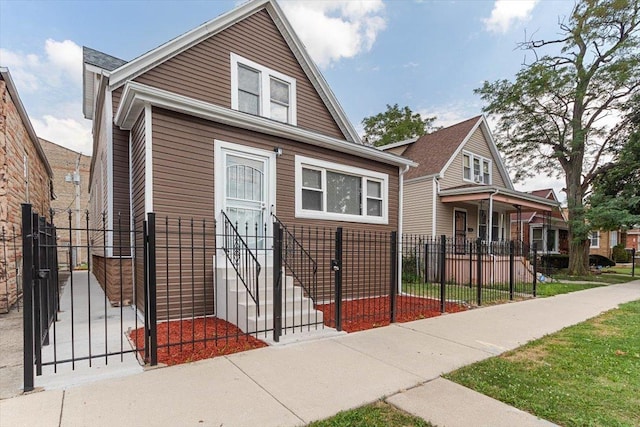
x=364, y=174
x=611, y=234
x=265, y=98
x=591, y=245
x=556, y=231
x=482, y=159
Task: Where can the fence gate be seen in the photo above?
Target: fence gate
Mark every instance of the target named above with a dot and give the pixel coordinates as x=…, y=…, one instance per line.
x=71, y=322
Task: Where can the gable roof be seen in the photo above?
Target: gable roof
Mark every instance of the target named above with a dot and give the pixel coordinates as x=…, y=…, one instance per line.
x=545, y=192
x=22, y=112
x=100, y=59
x=435, y=151
x=130, y=70
x=432, y=151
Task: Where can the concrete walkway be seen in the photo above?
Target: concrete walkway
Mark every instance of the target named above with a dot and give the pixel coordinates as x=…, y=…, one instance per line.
x=298, y=383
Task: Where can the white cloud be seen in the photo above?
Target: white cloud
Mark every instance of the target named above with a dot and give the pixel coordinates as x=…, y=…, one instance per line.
x=64, y=131
x=335, y=29
x=507, y=12
x=50, y=86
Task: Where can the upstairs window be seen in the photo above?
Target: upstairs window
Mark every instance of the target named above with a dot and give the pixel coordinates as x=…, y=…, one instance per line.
x=260, y=91
x=476, y=169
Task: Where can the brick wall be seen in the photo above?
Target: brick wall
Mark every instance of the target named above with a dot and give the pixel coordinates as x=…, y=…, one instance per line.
x=63, y=162
x=16, y=146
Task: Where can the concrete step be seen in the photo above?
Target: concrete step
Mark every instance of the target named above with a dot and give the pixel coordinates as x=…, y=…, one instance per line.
x=288, y=320
x=291, y=306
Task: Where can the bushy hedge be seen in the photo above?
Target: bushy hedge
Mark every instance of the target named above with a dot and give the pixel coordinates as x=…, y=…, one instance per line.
x=620, y=254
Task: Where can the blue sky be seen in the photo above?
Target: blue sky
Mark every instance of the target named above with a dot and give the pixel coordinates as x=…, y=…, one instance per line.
x=429, y=55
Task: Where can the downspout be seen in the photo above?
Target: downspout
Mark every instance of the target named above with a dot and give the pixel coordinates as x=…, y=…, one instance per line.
x=401, y=172
x=434, y=205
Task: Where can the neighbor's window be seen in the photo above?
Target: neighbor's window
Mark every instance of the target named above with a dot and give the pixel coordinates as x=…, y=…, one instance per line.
x=258, y=90
x=595, y=239
x=476, y=169
x=326, y=190
x=613, y=239
x=537, y=239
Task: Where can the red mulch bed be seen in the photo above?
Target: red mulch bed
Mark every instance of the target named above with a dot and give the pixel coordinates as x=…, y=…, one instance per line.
x=222, y=338
x=368, y=313
x=225, y=338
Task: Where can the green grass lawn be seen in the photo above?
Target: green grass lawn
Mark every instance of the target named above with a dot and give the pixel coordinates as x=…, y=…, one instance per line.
x=609, y=278
x=584, y=375
x=496, y=293
x=623, y=270
x=379, y=414
x=549, y=289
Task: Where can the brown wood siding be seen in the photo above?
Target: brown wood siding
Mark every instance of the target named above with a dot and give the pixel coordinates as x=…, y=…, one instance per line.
x=121, y=202
x=477, y=144
x=203, y=72
x=183, y=175
x=137, y=190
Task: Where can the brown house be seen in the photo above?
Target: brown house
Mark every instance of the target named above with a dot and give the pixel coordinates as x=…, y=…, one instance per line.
x=25, y=177
x=71, y=184
x=234, y=118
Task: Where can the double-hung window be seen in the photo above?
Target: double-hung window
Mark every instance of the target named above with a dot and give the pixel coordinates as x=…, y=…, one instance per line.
x=331, y=191
x=594, y=239
x=258, y=90
x=476, y=169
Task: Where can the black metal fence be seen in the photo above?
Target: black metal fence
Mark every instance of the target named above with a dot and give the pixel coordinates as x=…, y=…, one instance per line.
x=172, y=289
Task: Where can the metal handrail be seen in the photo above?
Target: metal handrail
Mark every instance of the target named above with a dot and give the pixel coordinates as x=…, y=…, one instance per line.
x=247, y=267
x=292, y=244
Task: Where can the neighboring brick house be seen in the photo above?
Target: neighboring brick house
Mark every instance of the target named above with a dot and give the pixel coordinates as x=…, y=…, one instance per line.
x=71, y=184
x=549, y=230
x=25, y=177
x=602, y=242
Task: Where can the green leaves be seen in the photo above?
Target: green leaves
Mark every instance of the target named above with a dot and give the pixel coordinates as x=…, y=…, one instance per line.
x=394, y=125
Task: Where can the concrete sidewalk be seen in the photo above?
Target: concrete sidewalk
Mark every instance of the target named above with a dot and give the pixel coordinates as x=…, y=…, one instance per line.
x=299, y=383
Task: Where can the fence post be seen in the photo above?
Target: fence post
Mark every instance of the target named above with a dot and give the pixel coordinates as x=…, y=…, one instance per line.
x=633, y=262
x=336, y=265
x=151, y=278
x=37, y=291
x=511, y=268
x=277, y=281
x=443, y=267
x=535, y=268
x=394, y=274
x=479, y=270
x=27, y=295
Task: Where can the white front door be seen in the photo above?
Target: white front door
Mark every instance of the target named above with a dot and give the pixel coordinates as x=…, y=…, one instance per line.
x=244, y=190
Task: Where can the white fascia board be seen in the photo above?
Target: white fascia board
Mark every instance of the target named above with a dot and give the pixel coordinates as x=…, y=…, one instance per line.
x=498, y=190
x=496, y=154
x=312, y=71
x=173, y=47
x=135, y=96
x=422, y=178
x=460, y=147
x=397, y=144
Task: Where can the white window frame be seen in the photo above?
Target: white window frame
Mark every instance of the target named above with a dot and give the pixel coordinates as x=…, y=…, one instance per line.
x=611, y=238
x=545, y=231
x=595, y=234
x=482, y=160
x=266, y=74
x=365, y=174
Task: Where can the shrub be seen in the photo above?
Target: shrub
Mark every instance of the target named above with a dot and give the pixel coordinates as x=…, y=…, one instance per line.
x=410, y=269
x=620, y=254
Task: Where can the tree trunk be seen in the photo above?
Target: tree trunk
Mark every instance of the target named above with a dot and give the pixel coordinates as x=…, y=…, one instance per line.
x=578, y=229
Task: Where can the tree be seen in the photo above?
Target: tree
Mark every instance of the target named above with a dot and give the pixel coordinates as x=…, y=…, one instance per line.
x=615, y=200
x=564, y=111
x=395, y=125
